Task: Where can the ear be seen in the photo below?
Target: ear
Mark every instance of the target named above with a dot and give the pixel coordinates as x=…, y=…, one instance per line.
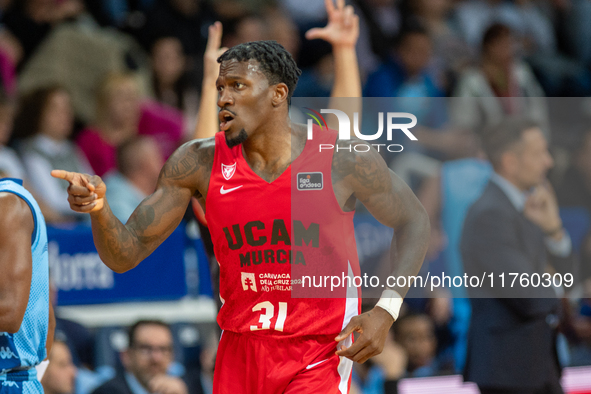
x=509, y=162
x=124, y=356
x=280, y=93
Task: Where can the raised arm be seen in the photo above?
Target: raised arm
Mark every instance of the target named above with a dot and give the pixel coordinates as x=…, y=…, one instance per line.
x=342, y=32
x=207, y=120
x=16, y=262
x=123, y=246
x=366, y=176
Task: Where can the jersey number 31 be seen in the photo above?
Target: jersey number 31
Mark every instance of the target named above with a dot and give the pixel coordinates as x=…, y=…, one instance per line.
x=265, y=318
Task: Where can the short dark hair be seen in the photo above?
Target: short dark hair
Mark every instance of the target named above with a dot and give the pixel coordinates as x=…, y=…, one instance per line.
x=133, y=329
x=412, y=27
x=499, y=138
x=495, y=32
x=31, y=109
x=276, y=63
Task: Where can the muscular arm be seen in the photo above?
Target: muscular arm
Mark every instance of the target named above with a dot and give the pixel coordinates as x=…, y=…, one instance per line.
x=366, y=177
x=123, y=246
x=16, y=262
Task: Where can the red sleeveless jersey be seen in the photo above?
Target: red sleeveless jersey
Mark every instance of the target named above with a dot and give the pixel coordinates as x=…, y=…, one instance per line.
x=268, y=236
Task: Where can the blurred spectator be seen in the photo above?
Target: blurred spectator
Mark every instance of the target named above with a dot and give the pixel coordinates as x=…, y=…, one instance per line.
x=146, y=362
x=474, y=17
x=515, y=227
x=31, y=20
x=61, y=373
x=283, y=30
x=405, y=73
x=138, y=165
x=120, y=117
x=380, y=22
x=416, y=334
x=117, y=119
x=186, y=20
x=502, y=85
x=244, y=29
x=43, y=123
x=170, y=81
x=10, y=163
x=451, y=53
x=317, y=80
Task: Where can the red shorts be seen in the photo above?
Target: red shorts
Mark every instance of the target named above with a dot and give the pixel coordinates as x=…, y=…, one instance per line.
x=251, y=364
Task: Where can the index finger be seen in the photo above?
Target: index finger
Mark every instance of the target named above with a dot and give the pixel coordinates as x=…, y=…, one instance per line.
x=61, y=174
x=214, y=39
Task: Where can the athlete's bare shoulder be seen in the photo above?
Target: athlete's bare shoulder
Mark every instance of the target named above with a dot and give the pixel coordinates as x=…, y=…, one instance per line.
x=359, y=170
x=359, y=162
x=190, y=165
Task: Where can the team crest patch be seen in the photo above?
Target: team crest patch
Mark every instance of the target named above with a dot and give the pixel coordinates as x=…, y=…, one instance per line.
x=228, y=171
x=310, y=181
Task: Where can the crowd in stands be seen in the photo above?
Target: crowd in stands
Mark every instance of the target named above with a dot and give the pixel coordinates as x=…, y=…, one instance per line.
x=114, y=87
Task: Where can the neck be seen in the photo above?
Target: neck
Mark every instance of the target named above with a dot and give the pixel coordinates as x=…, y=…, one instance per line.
x=513, y=181
x=270, y=146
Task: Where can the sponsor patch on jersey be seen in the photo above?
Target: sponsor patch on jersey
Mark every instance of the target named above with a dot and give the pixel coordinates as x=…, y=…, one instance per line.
x=228, y=171
x=310, y=181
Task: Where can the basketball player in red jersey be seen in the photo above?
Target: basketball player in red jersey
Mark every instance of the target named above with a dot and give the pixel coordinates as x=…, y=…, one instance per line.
x=262, y=228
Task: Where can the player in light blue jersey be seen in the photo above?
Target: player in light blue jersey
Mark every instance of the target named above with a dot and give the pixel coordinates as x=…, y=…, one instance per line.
x=26, y=317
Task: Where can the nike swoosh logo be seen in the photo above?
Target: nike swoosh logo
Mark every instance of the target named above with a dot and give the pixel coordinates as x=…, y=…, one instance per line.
x=315, y=364
x=226, y=191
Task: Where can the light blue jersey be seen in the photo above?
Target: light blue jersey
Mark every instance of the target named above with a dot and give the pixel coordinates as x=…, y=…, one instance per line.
x=21, y=351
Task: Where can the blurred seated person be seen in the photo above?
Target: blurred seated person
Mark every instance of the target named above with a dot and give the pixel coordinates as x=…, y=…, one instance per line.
x=10, y=163
x=171, y=82
x=501, y=86
x=139, y=162
x=146, y=363
x=405, y=73
x=416, y=334
x=60, y=376
x=30, y=21
x=120, y=115
x=43, y=125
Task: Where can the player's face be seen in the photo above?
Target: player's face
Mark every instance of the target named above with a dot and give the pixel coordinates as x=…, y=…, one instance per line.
x=245, y=99
x=150, y=354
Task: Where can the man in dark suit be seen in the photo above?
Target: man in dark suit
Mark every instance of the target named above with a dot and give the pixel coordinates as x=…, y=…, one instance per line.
x=146, y=362
x=515, y=227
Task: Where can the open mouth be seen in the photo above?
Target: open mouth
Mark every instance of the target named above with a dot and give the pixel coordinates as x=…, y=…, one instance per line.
x=226, y=119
